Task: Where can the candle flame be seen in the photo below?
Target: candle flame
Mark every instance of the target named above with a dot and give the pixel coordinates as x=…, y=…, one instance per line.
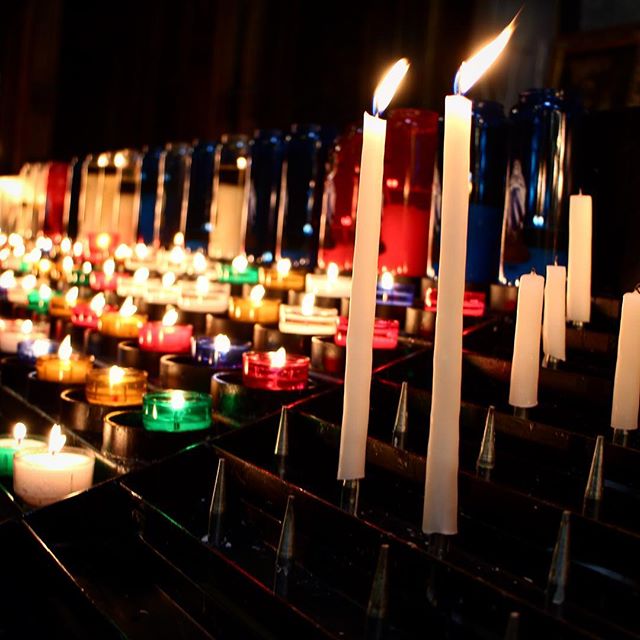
x=65, y=245
x=65, y=350
x=109, y=267
x=119, y=160
x=170, y=317
x=307, y=304
x=386, y=281
x=241, y=163
x=128, y=308
x=177, y=400
x=40, y=347
x=15, y=239
x=221, y=343
x=240, y=263
x=176, y=255
x=277, y=359
x=56, y=439
x=86, y=268
x=103, y=160
x=8, y=280
x=199, y=263
x=78, y=249
x=471, y=70
x=283, y=267
x=44, y=292
x=44, y=266
x=388, y=85
x=26, y=327
x=202, y=285
x=103, y=240
x=116, y=375
x=71, y=297
x=29, y=282
x=332, y=272
x=178, y=239
x=67, y=264
x=168, y=279
x=98, y=303
x=122, y=252
x=141, y=250
x=256, y=294
x=19, y=432
x=141, y=275
x=19, y=251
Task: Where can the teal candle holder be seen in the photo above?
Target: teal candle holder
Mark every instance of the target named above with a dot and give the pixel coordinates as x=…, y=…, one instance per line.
x=8, y=448
x=38, y=303
x=176, y=411
x=230, y=275
x=80, y=278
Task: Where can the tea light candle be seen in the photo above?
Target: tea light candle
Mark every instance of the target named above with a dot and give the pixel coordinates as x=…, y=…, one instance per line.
x=82, y=276
x=282, y=278
x=38, y=299
x=307, y=319
x=166, y=336
x=204, y=297
x=7, y=282
x=104, y=280
x=474, y=303
x=125, y=323
x=116, y=386
x=60, y=306
x=43, y=476
x=394, y=293
x=65, y=366
x=238, y=272
x=220, y=352
x=18, y=441
x=12, y=332
x=385, y=333
x=164, y=291
x=135, y=285
x=142, y=257
x=275, y=370
x=176, y=411
x=30, y=350
x=86, y=315
x=329, y=285
x=255, y=308
x=20, y=293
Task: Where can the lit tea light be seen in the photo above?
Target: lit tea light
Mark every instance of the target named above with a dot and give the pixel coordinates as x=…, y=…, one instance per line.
x=39, y=299
x=122, y=253
x=116, y=386
x=282, y=278
x=329, y=285
x=473, y=306
x=20, y=293
x=30, y=350
x=307, y=319
x=255, y=308
x=17, y=441
x=275, y=370
x=200, y=263
x=390, y=292
x=220, y=352
x=104, y=280
x=166, y=336
x=13, y=332
x=61, y=306
x=45, y=475
x=176, y=411
x=204, y=297
x=385, y=333
x=86, y=315
x=238, y=272
x=164, y=291
x=136, y=285
x=125, y=323
x=65, y=366
x=7, y=281
x=82, y=276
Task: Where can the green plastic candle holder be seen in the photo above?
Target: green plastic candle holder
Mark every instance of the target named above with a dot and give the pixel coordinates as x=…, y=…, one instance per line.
x=228, y=274
x=176, y=411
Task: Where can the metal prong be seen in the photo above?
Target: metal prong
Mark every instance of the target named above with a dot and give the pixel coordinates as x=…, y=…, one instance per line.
x=281, y=450
x=550, y=362
x=401, y=423
x=218, y=507
x=284, y=554
x=521, y=412
x=559, y=570
x=577, y=324
x=620, y=437
x=595, y=483
x=349, y=496
x=377, y=608
x=512, y=631
x=439, y=544
x=487, y=456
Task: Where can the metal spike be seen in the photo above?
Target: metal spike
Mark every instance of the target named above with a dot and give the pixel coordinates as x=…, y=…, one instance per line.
x=349, y=496
x=401, y=424
x=513, y=626
x=559, y=570
x=281, y=450
x=521, y=412
x=284, y=555
x=487, y=456
x=218, y=506
x=378, y=598
x=595, y=483
x=620, y=437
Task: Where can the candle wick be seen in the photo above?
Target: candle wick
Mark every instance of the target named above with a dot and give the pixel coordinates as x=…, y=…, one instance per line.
x=533, y=270
x=637, y=287
x=555, y=260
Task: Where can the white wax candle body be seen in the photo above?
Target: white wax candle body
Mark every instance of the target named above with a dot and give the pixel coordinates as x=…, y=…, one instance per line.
x=555, y=317
x=579, y=280
x=40, y=478
x=225, y=240
x=9, y=340
x=325, y=287
x=18, y=295
x=626, y=385
x=362, y=308
x=208, y=303
x=319, y=322
x=525, y=364
x=440, y=513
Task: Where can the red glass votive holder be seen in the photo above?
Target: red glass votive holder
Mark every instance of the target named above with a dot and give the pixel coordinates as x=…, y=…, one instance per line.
x=260, y=371
x=474, y=304
x=82, y=315
x=154, y=336
x=385, y=333
x=100, y=281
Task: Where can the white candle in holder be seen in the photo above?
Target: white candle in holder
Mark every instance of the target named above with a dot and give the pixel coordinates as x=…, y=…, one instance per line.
x=579, y=282
x=555, y=317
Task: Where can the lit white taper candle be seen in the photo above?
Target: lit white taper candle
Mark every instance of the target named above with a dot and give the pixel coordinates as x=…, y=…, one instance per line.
x=362, y=308
x=626, y=385
x=440, y=513
x=579, y=282
x=555, y=318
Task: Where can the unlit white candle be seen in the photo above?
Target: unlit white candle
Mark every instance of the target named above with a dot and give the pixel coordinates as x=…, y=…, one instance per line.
x=525, y=364
x=357, y=381
x=626, y=385
x=579, y=281
x=555, y=317
x=440, y=513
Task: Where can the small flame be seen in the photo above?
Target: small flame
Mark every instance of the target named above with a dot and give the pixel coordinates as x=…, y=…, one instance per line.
x=8, y=280
x=44, y=266
x=15, y=239
x=71, y=297
x=168, y=279
x=67, y=264
x=221, y=343
x=141, y=275
x=283, y=267
x=176, y=255
x=240, y=264
x=78, y=249
x=103, y=160
x=56, y=439
x=256, y=294
x=119, y=160
x=332, y=272
x=26, y=327
x=19, y=432
x=471, y=70
x=177, y=400
x=128, y=308
x=44, y=244
x=40, y=347
x=29, y=282
x=44, y=292
x=202, y=285
x=65, y=350
x=141, y=250
x=116, y=375
x=178, y=239
x=98, y=303
x=65, y=245
x=277, y=359
x=109, y=268
x=199, y=263
x=388, y=85
x=103, y=240
x=307, y=304
x=19, y=251
x=86, y=268
x=170, y=317
x=122, y=252
x=241, y=163
x=386, y=281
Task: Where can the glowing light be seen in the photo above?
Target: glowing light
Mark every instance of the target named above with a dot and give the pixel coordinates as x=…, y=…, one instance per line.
x=98, y=303
x=240, y=263
x=283, y=267
x=19, y=432
x=44, y=266
x=8, y=280
x=103, y=240
x=122, y=252
x=170, y=317
x=332, y=272
x=26, y=327
x=307, y=304
x=71, y=297
x=202, y=285
x=65, y=350
x=386, y=281
x=199, y=263
x=103, y=160
x=128, y=308
x=44, y=292
x=78, y=249
x=56, y=439
x=168, y=279
x=19, y=251
x=86, y=268
x=65, y=245
x=277, y=359
x=67, y=264
x=178, y=400
x=116, y=375
x=109, y=268
x=256, y=294
x=40, y=347
x=176, y=255
x=119, y=160
x=141, y=275
x=178, y=239
x=221, y=343
x=29, y=282
x=141, y=250
x=15, y=240
x=241, y=163
x=388, y=85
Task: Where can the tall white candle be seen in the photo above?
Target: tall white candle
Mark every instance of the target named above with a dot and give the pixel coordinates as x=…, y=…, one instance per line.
x=525, y=364
x=440, y=513
x=555, y=321
x=579, y=282
x=626, y=385
x=362, y=308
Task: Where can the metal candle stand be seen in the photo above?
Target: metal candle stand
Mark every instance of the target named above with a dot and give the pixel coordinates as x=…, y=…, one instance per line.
x=14, y=373
x=267, y=338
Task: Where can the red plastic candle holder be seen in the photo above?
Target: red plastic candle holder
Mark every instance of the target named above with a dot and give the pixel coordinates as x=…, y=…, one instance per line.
x=100, y=281
x=260, y=372
x=385, y=333
x=154, y=336
x=474, y=304
x=84, y=316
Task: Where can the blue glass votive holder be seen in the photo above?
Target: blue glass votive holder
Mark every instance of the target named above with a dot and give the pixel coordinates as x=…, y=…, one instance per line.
x=30, y=350
x=219, y=352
